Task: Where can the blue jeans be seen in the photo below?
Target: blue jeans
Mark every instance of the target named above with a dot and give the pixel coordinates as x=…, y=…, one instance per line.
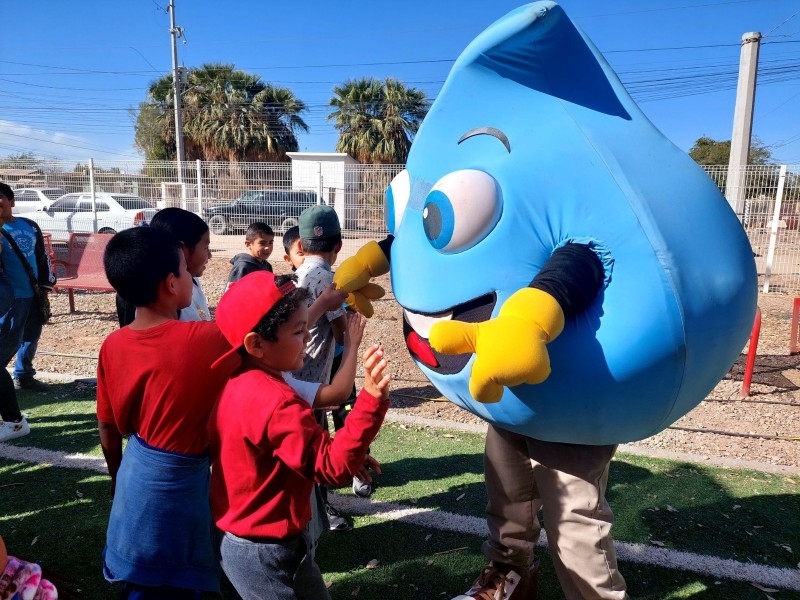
x=20, y=330
x=132, y=591
x=280, y=569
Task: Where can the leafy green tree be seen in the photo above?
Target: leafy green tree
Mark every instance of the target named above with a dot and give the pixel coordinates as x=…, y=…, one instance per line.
x=707, y=151
x=23, y=156
x=377, y=120
x=228, y=114
x=22, y=159
x=148, y=132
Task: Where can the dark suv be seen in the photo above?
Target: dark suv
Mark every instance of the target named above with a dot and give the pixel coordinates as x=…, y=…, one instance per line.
x=277, y=208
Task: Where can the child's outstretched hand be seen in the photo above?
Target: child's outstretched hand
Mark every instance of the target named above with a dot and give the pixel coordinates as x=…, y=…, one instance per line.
x=376, y=380
x=370, y=464
x=354, y=332
x=331, y=298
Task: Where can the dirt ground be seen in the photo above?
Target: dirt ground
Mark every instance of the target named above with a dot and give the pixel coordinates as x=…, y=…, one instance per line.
x=764, y=423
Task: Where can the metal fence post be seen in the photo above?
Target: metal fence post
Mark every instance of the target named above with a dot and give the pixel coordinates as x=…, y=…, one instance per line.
x=319, y=184
x=94, y=198
x=773, y=236
x=199, y=187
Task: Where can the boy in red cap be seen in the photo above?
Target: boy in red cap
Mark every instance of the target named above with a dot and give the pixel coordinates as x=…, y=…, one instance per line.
x=266, y=447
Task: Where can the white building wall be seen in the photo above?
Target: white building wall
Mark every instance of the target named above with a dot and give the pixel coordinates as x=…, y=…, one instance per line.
x=325, y=173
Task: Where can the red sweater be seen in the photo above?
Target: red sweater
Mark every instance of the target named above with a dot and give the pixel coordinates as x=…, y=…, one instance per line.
x=158, y=383
x=267, y=450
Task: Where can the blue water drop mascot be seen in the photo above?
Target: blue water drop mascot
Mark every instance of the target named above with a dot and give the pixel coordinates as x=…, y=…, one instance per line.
x=567, y=274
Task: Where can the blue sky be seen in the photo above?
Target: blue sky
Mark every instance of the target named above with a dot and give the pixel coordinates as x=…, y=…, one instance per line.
x=71, y=72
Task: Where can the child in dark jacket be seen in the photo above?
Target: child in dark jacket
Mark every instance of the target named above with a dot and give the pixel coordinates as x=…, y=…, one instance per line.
x=258, y=239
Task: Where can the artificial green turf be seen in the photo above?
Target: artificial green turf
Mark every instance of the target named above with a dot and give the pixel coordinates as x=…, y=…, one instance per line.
x=741, y=515
x=64, y=418
x=57, y=517
x=413, y=562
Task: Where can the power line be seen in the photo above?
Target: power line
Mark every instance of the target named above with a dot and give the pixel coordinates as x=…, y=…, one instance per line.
x=93, y=149
x=53, y=87
x=666, y=8
x=658, y=84
x=78, y=71
x=782, y=23
x=671, y=84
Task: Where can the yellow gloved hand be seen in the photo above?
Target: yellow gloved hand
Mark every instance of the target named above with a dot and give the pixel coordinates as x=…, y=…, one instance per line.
x=510, y=349
x=360, y=299
x=354, y=273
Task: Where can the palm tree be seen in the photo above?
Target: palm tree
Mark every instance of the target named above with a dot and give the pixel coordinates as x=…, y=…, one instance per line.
x=377, y=120
x=228, y=114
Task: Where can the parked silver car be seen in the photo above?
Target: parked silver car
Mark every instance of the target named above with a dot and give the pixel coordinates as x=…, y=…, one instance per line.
x=74, y=212
x=35, y=198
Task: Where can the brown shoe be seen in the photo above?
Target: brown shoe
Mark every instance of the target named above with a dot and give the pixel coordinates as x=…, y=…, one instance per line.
x=502, y=582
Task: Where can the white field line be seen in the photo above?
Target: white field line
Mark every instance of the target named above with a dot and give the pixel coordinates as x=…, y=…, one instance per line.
x=399, y=417
x=445, y=521
x=50, y=457
x=638, y=553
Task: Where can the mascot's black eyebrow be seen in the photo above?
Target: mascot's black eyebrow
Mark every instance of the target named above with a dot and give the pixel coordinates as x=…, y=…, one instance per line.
x=487, y=131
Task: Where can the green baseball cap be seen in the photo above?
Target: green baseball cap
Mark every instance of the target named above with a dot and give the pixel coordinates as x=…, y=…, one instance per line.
x=319, y=222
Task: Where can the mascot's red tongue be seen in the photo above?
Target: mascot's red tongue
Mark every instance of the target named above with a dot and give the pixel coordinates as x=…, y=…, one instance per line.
x=421, y=349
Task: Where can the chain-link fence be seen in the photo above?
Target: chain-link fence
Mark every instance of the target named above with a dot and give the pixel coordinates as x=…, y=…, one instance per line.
x=230, y=196
x=766, y=199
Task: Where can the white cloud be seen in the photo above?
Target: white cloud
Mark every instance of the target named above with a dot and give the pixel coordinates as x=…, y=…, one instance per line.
x=17, y=137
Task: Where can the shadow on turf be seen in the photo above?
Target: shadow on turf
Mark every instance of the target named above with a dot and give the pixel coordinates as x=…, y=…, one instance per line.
x=684, y=509
x=466, y=498
x=414, y=562
x=72, y=432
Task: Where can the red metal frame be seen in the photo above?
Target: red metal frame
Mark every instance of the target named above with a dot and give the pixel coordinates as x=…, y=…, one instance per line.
x=83, y=268
x=751, y=354
x=793, y=347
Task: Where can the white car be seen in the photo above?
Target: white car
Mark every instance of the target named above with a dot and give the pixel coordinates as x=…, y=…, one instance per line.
x=31, y=199
x=74, y=213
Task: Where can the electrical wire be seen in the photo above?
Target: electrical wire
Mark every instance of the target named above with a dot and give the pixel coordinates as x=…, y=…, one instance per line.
x=645, y=84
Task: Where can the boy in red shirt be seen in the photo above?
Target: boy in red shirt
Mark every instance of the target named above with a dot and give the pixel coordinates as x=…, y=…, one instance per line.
x=155, y=383
x=266, y=446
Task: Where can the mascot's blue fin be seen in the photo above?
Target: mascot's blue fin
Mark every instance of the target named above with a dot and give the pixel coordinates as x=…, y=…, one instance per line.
x=518, y=47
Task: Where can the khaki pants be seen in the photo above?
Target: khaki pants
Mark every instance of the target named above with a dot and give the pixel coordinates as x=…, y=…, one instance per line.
x=568, y=482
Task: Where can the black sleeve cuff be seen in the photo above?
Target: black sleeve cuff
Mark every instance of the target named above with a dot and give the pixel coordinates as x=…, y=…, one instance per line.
x=573, y=276
x=386, y=245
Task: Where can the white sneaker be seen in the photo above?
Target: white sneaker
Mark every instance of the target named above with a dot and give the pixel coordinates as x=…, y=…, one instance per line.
x=10, y=430
x=361, y=488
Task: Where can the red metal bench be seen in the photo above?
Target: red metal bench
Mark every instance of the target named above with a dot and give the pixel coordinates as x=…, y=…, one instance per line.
x=83, y=269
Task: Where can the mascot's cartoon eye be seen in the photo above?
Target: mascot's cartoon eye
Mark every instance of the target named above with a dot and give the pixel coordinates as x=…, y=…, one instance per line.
x=396, y=197
x=461, y=209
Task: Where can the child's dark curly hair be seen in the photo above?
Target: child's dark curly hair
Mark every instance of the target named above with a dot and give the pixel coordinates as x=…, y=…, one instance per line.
x=268, y=326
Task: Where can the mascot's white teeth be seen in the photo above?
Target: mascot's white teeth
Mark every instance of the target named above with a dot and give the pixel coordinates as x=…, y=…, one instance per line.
x=422, y=323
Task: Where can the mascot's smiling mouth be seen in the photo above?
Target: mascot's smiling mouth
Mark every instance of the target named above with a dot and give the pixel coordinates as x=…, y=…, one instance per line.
x=416, y=328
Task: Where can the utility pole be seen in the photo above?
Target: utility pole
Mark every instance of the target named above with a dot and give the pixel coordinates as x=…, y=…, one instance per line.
x=177, y=32
x=743, y=121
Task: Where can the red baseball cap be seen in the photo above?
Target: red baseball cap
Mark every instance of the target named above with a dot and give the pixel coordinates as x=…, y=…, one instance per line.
x=244, y=305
